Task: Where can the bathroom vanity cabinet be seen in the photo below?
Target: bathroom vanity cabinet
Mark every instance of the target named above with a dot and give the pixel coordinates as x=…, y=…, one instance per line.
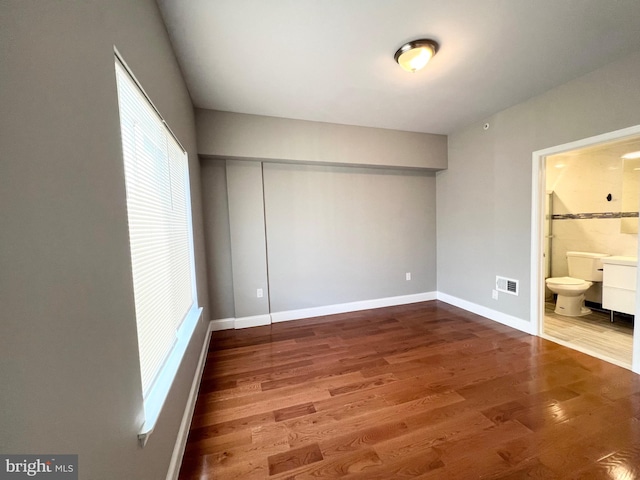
x=619, y=284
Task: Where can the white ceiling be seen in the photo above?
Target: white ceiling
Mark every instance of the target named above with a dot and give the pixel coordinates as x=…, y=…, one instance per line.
x=332, y=60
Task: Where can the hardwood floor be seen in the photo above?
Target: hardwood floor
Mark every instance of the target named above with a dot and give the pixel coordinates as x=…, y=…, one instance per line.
x=419, y=391
x=593, y=333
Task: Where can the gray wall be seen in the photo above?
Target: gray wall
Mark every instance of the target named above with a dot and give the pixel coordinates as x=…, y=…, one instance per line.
x=333, y=234
x=218, y=238
x=68, y=351
x=236, y=135
x=247, y=230
x=339, y=234
x=484, y=198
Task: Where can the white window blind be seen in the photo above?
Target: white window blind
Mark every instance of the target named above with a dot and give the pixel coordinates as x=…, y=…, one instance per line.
x=157, y=186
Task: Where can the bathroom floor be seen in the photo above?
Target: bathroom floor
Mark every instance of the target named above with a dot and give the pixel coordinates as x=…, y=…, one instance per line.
x=593, y=334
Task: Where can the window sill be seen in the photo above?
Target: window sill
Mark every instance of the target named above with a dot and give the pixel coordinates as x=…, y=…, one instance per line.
x=160, y=390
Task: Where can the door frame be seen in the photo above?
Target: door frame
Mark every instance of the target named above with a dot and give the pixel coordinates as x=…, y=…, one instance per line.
x=538, y=192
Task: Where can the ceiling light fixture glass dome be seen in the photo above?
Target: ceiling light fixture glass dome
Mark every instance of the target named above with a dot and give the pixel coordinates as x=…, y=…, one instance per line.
x=631, y=155
x=413, y=56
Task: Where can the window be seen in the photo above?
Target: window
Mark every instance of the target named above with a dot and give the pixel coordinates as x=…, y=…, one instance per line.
x=158, y=205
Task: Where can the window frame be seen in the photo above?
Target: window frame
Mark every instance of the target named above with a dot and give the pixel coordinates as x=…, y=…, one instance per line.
x=158, y=390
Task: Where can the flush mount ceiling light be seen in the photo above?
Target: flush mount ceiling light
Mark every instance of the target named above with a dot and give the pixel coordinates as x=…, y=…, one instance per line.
x=630, y=155
x=413, y=56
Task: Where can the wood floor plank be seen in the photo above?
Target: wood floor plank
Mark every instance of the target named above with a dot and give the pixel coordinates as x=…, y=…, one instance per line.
x=424, y=390
x=262, y=408
x=295, y=411
x=423, y=437
x=319, y=373
x=465, y=452
x=209, y=403
x=258, y=375
x=363, y=460
x=411, y=466
x=339, y=445
x=518, y=450
x=533, y=469
x=622, y=464
x=293, y=458
x=484, y=466
x=205, y=446
x=367, y=384
x=536, y=417
x=201, y=430
x=317, y=426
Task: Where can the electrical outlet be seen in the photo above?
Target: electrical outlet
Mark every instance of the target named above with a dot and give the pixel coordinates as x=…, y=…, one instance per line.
x=260, y=293
x=494, y=294
x=408, y=275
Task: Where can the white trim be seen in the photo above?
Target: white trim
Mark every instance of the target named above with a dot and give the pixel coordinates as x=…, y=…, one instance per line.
x=591, y=141
x=351, y=307
x=538, y=175
x=254, y=321
x=503, y=318
x=635, y=351
x=222, y=324
x=160, y=391
x=259, y=320
x=537, y=209
x=183, y=431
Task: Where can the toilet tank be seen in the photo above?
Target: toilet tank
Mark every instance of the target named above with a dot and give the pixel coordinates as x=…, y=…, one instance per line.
x=586, y=265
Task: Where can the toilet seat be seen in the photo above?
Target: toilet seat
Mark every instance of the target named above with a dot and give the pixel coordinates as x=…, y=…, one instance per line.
x=566, y=281
x=568, y=285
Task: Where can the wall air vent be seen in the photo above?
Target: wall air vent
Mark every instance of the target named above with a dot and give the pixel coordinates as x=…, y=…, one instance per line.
x=507, y=285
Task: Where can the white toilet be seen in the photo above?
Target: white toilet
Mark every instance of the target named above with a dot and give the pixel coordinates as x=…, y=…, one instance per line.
x=584, y=269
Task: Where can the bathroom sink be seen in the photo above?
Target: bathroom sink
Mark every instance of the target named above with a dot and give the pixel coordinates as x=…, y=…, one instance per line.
x=619, y=260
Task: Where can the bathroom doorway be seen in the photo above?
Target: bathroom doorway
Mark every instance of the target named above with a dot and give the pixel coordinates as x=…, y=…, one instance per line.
x=586, y=199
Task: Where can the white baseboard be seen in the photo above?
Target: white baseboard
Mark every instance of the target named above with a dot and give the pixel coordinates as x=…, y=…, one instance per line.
x=222, y=324
x=254, y=321
x=505, y=319
x=185, y=424
x=258, y=320
x=276, y=317
x=351, y=307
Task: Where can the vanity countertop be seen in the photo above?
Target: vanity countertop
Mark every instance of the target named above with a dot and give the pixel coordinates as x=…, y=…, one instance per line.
x=619, y=260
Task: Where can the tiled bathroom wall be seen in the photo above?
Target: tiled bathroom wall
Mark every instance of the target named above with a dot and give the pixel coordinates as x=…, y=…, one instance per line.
x=584, y=217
